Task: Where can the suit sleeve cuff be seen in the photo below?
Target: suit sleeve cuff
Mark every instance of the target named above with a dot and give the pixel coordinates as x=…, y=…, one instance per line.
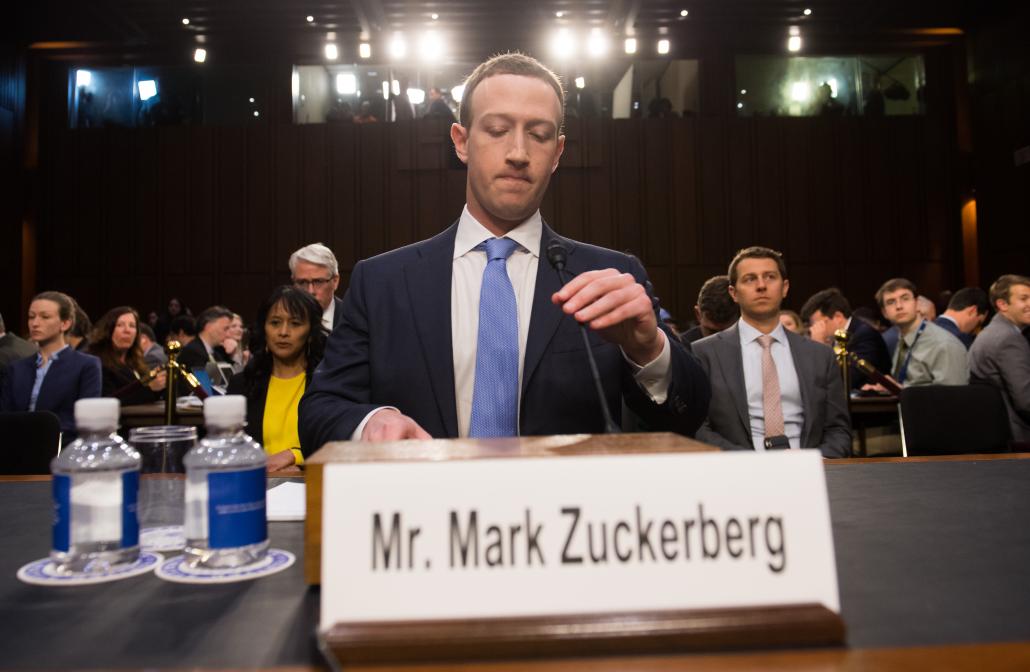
x=655, y=376
x=356, y=436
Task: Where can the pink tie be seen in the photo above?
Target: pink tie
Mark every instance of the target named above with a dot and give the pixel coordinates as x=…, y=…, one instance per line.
x=771, y=405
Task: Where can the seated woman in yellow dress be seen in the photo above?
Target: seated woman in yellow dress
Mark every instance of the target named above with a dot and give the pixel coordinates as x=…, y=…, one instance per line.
x=287, y=344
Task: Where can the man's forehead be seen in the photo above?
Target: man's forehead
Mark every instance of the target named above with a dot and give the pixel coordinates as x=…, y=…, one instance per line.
x=755, y=264
x=899, y=294
x=495, y=94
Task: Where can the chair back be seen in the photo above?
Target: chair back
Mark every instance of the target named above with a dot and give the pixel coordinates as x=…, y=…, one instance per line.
x=30, y=441
x=953, y=420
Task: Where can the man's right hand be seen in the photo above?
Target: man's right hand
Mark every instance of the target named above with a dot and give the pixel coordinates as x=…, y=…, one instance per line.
x=390, y=425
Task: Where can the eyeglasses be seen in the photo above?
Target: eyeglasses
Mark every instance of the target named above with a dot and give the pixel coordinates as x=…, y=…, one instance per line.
x=317, y=283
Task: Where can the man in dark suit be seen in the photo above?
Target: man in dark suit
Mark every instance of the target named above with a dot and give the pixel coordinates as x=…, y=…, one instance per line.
x=966, y=311
x=13, y=347
x=1000, y=355
x=314, y=269
x=212, y=326
x=714, y=310
x=828, y=311
x=770, y=387
x=441, y=340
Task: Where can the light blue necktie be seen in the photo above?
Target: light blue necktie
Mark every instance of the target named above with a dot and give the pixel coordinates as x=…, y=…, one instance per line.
x=495, y=394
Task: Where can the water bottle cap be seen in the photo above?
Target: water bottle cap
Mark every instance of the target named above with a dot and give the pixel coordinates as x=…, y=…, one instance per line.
x=97, y=414
x=225, y=411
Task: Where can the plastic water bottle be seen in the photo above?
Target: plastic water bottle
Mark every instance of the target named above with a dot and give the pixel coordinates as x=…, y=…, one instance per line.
x=95, y=486
x=226, y=524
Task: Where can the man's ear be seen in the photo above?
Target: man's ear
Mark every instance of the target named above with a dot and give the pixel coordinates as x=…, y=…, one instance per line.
x=558, y=153
x=786, y=287
x=733, y=293
x=460, y=138
x=697, y=312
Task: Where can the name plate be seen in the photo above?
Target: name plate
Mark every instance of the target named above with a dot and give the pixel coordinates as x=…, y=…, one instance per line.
x=409, y=541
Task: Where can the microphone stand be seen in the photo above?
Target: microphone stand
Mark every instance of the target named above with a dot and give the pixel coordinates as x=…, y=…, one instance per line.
x=556, y=255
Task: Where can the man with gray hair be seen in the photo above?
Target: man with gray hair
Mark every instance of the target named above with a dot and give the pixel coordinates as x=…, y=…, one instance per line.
x=313, y=268
x=12, y=347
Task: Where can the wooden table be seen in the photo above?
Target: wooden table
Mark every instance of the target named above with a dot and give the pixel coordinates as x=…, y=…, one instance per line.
x=933, y=563
x=871, y=412
x=149, y=415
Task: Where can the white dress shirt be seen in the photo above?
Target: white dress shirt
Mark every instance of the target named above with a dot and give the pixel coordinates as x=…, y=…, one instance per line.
x=790, y=388
x=327, y=316
x=466, y=282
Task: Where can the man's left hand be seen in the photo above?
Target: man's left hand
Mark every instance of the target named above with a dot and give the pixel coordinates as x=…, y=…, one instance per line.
x=617, y=307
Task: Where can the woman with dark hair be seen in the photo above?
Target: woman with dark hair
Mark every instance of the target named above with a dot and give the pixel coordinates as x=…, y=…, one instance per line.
x=287, y=343
x=57, y=376
x=115, y=340
x=78, y=335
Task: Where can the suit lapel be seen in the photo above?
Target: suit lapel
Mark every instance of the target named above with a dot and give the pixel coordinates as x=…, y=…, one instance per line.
x=805, y=379
x=545, y=318
x=50, y=381
x=731, y=362
x=429, y=293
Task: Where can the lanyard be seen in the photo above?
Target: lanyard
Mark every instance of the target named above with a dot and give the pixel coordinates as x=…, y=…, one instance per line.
x=903, y=371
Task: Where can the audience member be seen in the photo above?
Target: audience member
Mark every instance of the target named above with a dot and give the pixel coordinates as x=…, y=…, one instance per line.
x=288, y=344
x=313, y=268
x=926, y=308
x=714, y=310
x=872, y=318
x=364, y=115
x=828, y=311
x=182, y=329
x=438, y=107
x=231, y=349
x=12, y=346
x=212, y=324
x=115, y=340
x=791, y=321
x=926, y=354
x=770, y=388
x=153, y=354
x=176, y=308
x=966, y=312
x=1000, y=356
x=57, y=376
x=78, y=335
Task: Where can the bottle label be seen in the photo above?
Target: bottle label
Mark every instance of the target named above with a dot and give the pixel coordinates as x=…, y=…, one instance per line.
x=62, y=528
x=236, y=508
x=130, y=518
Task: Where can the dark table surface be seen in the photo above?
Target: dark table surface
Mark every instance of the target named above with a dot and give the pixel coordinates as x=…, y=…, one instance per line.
x=928, y=553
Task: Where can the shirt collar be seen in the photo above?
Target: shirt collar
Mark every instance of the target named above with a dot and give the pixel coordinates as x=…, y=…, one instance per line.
x=749, y=334
x=53, y=357
x=910, y=337
x=949, y=318
x=471, y=233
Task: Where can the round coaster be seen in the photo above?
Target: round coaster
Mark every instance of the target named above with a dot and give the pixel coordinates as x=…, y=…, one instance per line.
x=164, y=538
x=43, y=572
x=176, y=569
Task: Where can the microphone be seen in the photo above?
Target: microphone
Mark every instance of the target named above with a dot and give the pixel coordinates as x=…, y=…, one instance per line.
x=557, y=255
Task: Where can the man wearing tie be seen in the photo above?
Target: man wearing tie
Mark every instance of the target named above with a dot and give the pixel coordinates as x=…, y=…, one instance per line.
x=470, y=333
x=771, y=389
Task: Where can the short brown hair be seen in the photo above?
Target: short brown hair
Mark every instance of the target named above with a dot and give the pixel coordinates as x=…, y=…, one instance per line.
x=893, y=285
x=1001, y=289
x=509, y=64
x=756, y=252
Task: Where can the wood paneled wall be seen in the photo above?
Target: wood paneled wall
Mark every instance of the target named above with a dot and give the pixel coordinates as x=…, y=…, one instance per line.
x=212, y=214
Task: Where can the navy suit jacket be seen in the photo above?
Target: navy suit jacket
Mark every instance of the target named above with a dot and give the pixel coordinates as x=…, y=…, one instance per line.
x=952, y=328
x=393, y=348
x=337, y=312
x=72, y=376
x=868, y=344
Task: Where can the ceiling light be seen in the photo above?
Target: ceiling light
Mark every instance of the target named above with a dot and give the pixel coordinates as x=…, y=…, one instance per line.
x=563, y=44
x=597, y=43
x=807, y=12
x=559, y=14
x=431, y=46
x=185, y=21
x=743, y=92
x=581, y=83
x=794, y=43
x=346, y=83
x=331, y=52
x=309, y=18
x=365, y=50
x=416, y=96
x=663, y=46
x=684, y=13
x=457, y=92
x=147, y=89
x=740, y=106
x=200, y=55
x=256, y=113
x=83, y=77
x=800, y=92
x=631, y=45
x=398, y=47
x=434, y=16
x=251, y=100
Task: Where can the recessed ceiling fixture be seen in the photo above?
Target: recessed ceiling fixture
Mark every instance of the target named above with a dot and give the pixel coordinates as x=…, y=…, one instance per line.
x=185, y=21
x=684, y=13
x=309, y=18
x=807, y=12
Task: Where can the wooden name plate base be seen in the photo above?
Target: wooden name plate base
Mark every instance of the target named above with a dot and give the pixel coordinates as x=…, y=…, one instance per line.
x=436, y=450
x=584, y=635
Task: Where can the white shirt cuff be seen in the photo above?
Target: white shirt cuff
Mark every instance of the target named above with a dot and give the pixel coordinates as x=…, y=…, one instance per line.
x=654, y=377
x=356, y=436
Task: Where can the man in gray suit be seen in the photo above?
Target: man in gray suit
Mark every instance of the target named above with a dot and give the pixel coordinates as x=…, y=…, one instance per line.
x=1000, y=355
x=12, y=347
x=770, y=388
